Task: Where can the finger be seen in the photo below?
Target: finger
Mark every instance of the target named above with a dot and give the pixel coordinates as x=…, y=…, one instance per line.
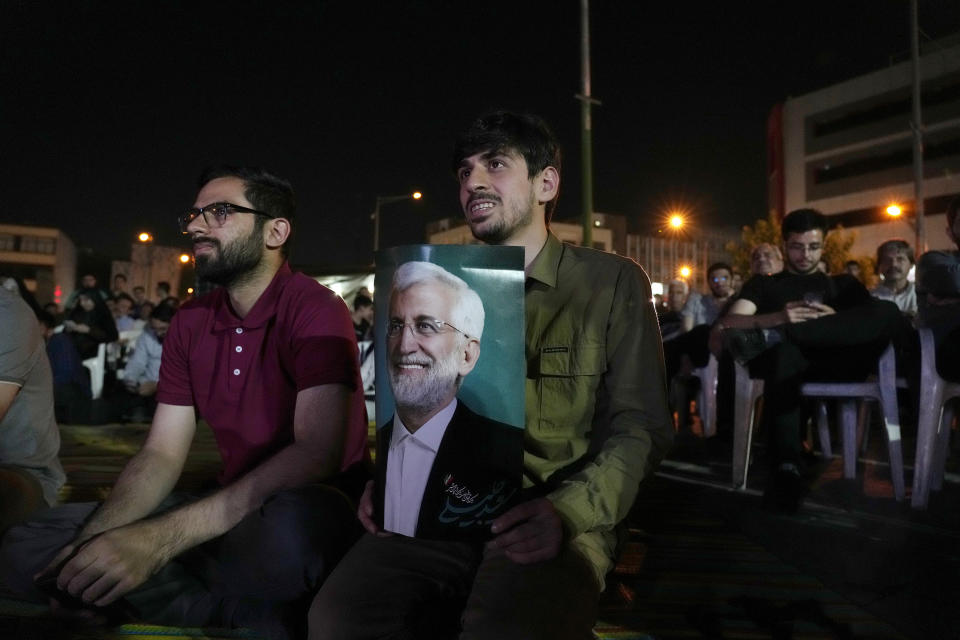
x=366, y=500
x=119, y=589
x=74, y=567
x=55, y=563
x=531, y=557
x=512, y=517
x=99, y=587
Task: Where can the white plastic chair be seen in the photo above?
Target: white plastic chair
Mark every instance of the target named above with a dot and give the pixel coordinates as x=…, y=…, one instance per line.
x=933, y=424
x=883, y=389
x=707, y=398
x=98, y=367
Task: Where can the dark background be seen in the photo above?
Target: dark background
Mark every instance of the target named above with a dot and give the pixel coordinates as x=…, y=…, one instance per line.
x=109, y=110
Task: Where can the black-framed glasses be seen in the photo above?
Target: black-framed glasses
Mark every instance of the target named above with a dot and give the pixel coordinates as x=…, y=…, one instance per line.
x=424, y=327
x=218, y=212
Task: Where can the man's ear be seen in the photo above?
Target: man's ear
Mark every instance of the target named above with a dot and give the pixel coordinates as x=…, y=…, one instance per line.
x=276, y=232
x=547, y=185
x=470, y=354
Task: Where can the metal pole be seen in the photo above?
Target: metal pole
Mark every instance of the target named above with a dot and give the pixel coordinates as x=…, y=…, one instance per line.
x=376, y=227
x=917, y=126
x=586, y=140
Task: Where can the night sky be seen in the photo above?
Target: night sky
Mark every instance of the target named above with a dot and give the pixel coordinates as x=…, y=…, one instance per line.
x=109, y=110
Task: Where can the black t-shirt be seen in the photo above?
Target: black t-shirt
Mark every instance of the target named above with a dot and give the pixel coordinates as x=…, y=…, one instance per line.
x=772, y=293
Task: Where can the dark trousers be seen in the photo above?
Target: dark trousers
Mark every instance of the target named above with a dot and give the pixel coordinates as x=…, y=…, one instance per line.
x=261, y=574
x=841, y=347
x=406, y=588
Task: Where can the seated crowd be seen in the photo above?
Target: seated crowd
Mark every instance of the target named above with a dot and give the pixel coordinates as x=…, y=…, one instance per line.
x=269, y=359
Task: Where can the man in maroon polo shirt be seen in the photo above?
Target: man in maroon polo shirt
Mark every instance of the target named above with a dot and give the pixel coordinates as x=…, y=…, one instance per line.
x=269, y=360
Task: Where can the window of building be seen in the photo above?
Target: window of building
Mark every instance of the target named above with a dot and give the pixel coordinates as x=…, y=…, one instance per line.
x=8, y=242
x=38, y=244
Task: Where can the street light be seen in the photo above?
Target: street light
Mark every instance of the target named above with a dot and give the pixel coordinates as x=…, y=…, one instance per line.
x=894, y=210
x=381, y=200
x=685, y=271
x=184, y=258
x=676, y=221
x=145, y=237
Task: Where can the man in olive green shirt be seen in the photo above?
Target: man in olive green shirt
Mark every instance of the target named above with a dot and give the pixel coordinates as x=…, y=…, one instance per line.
x=597, y=423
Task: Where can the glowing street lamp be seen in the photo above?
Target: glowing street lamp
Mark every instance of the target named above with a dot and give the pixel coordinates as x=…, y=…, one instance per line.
x=145, y=237
x=676, y=221
x=184, y=258
x=685, y=271
x=894, y=210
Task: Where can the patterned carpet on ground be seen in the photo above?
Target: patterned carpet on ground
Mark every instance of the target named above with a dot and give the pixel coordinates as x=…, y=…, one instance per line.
x=688, y=571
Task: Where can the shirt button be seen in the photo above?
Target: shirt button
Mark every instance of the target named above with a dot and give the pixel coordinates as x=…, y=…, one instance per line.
x=239, y=329
x=236, y=372
x=239, y=348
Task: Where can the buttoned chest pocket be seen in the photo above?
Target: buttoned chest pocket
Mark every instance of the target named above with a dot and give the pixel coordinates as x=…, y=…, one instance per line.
x=567, y=380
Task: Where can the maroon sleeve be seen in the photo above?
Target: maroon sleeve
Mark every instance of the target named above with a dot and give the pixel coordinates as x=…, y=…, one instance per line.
x=324, y=343
x=174, y=385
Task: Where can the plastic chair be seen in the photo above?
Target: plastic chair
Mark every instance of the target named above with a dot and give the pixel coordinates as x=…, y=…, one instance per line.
x=98, y=367
x=933, y=424
x=707, y=398
x=883, y=389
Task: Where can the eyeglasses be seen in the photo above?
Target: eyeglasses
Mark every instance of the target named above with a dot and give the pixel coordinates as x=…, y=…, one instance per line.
x=423, y=327
x=219, y=211
x=720, y=279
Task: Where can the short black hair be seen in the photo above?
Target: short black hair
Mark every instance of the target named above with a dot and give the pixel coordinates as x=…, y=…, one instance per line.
x=265, y=191
x=124, y=296
x=802, y=220
x=524, y=133
x=718, y=265
x=163, y=312
x=361, y=300
x=163, y=284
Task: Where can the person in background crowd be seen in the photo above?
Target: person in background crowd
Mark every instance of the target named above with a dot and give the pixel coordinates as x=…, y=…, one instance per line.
x=938, y=297
x=704, y=309
x=88, y=282
x=797, y=324
x=766, y=259
x=362, y=317
x=894, y=262
x=163, y=291
x=89, y=324
x=119, y=285
x=123, y=312
x=139, y=299
x=670, y=318
x=142, y=371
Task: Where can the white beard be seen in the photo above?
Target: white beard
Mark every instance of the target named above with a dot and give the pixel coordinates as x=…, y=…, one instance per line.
x=424, y=393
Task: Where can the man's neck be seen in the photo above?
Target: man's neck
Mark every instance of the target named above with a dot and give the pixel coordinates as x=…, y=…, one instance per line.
x=531, y=238
x=414, y=418
x=896, y=285
x=245, y=292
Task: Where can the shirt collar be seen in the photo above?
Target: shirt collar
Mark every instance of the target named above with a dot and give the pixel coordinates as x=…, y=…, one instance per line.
x=547, y=263
x=430, y=434
x=264, y=308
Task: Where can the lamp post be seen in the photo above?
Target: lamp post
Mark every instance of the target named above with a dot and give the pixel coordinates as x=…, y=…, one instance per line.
x=381, y=200
x=146, y=238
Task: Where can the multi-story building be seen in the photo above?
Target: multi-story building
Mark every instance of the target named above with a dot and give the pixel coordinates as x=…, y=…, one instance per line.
x=44, y=257
x=847, y=150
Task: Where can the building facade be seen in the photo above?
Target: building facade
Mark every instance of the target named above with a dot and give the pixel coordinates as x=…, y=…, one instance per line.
x=847, y=150
x=43, y=257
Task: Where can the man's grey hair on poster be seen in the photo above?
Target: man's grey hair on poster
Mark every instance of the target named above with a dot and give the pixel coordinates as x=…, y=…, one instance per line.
x=467, y=314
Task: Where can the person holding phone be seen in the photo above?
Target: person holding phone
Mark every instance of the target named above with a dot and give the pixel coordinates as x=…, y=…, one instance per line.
x=803, y=324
